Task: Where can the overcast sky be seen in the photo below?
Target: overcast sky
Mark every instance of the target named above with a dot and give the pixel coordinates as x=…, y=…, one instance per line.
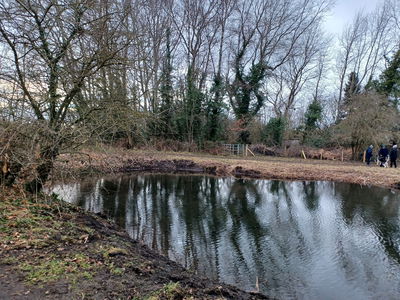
x=344, y=11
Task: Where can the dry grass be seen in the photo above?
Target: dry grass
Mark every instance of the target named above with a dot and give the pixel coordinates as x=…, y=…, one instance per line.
x=109, y=160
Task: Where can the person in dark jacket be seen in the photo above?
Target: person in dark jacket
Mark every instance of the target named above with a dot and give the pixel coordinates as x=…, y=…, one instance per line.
x=368, y=154
x=383, y=155
x=393, y=155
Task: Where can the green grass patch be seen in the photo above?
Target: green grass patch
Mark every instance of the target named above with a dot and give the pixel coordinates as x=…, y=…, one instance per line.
x=169, y=291
x=53, y=269
x=47, y=271
x=116, y=270
x=9, y=261
x=25, y=222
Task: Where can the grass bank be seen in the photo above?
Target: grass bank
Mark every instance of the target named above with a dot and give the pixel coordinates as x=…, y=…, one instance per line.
x=52, y=250
x=113, y=160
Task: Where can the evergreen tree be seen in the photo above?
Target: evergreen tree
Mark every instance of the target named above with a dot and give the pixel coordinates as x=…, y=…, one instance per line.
x=190, y=118
x=351, y=89
x=389, y=83
x=246, y=97
x=313, y=115
x=372, y=85
x=214, y=109
x=273, y=132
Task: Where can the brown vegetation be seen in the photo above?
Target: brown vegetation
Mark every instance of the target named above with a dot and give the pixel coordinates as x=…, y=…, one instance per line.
x=113, y=160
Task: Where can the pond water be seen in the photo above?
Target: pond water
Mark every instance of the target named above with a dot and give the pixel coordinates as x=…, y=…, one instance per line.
x=302, y=240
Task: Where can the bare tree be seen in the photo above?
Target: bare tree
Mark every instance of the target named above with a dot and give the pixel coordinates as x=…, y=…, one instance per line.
x=268, y=36
x=215, y=103
x=196, y=23
x=65, y=43
x=363, y=47
x=346, y=57
x=302, y=68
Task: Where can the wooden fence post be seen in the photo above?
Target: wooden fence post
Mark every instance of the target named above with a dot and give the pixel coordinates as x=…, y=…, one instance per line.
x=304, y=155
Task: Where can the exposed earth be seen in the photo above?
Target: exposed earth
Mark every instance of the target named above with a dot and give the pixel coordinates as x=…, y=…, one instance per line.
x=113, y=160
x=52, y=250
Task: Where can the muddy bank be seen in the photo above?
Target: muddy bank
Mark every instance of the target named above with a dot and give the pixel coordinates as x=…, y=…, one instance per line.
x=114, y=160
x=186, y=167
x=52, y=250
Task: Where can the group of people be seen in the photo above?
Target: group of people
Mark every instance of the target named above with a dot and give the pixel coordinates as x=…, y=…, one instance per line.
x=384, y=155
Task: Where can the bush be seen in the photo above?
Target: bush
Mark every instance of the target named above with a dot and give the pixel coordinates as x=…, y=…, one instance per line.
x=320, y=138
x=27, y=150
x=273, y=132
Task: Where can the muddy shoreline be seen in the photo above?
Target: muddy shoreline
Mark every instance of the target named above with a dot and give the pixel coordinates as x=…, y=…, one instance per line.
x=39, y=235
x=53, y=250
x=114, y=162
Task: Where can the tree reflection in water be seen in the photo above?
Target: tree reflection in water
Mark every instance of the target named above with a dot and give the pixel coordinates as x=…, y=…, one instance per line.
x=303, y=240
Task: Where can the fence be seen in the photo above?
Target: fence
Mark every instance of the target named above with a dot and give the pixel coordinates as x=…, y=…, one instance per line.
x=238, y=149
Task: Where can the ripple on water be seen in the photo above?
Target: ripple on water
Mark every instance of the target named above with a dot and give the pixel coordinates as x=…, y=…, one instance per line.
x=302, y=240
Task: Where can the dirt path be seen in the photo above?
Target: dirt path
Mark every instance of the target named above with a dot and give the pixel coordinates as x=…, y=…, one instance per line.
x=112, y=160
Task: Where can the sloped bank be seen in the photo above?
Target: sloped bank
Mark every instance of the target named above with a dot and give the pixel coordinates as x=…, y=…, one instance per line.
x=52, y=250
x=117, y=161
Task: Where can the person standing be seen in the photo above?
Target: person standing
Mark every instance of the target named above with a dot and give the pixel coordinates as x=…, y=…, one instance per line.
x=393, y=156
x=383, y=155
x=368, y=154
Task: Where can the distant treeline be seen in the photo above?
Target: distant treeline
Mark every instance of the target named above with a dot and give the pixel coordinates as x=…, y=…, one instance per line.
x=195, y=71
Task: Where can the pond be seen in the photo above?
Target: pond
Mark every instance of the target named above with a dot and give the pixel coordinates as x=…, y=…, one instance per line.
x=299, y=240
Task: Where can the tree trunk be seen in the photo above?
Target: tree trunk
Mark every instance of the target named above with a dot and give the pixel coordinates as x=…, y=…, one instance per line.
x=43, y=170
x=9, y=172
x=353, y=152
x=244, y=133
x=129, y=145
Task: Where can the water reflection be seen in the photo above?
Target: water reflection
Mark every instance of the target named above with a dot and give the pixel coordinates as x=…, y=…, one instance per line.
x=303, y=240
